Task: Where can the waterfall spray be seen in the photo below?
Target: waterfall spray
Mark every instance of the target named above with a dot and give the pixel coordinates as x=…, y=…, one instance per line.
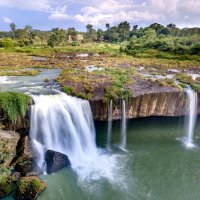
x=109, y=131
x=123, y=126
x=191, y=117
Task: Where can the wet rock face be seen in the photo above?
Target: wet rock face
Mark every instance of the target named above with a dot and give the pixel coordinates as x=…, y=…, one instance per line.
x=8, y=143
x=168, y=103
x=28, y=188
x=55, y=161
x=25, y=159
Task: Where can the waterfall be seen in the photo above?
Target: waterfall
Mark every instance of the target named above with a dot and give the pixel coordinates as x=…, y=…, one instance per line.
x=109, y=131
x=65, y=124
x=123, y=126
x=191, y=117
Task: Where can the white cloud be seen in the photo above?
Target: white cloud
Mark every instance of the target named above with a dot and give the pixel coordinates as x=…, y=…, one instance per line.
x=36, y=5
x=114, y=11
x=7, y=20
x=54, y=8
x=181, y=12
x=99, y=12
x=59, y=14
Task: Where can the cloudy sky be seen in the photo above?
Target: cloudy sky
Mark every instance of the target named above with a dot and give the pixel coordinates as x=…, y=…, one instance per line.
x=46, y=14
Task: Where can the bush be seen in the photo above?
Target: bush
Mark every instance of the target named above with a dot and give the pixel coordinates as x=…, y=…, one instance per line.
x=68, y=90
x=74, y=44
x=14, y=104
x=195, y=49
x=6, y=43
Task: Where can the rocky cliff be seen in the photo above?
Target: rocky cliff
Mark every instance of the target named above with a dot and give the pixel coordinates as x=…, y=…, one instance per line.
x=157, y=103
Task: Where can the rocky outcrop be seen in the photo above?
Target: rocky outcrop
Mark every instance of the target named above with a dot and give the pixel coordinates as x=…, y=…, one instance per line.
x=28, y=188
x=6, y=186
x=8, y=143
x=55, y=161
x=25, y=159
x=163, y=103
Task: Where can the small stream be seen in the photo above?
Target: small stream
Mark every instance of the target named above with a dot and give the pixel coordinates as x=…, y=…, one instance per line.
x=32, y=84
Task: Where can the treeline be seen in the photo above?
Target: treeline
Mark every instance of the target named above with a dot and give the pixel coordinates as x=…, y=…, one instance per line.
x=133, y=40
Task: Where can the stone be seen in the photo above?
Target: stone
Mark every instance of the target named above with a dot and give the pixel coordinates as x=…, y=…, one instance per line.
x=15, y=176
x=28, y=188
x=27, y=166
x=8, y=143
x=55, y=161
x=6, y=186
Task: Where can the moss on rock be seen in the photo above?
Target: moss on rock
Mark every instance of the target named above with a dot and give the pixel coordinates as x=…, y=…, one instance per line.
x=6, y=185
x=28, y=188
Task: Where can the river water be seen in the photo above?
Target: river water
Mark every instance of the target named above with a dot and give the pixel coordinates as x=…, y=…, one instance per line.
x=156, y=165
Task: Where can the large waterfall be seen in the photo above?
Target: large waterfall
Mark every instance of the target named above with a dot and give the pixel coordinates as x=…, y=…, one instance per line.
x=109, y=131
x=65, y=124
x=191, y=117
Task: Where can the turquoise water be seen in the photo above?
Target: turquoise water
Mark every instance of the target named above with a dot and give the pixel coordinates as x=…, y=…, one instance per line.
x=156, y=166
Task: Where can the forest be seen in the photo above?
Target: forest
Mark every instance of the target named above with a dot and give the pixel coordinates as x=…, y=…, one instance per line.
x=136, y=41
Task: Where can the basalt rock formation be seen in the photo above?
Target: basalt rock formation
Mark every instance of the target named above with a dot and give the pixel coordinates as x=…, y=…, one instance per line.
x=160, y=103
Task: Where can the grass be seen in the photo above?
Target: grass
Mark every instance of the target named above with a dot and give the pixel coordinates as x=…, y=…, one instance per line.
x=13, y=104
x=115, y=81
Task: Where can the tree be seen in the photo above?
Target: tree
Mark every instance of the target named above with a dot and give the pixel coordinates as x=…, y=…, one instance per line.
x=164, y=31
x=13, y=28
x=57, y=37
x=108, y=26
x=21, y=34
x=135, y=27
x=156, y=26
x=100, y=35
x=124, y=30
x=71, y=34
x=91, y=33
x=28, y=29
x=171, y=26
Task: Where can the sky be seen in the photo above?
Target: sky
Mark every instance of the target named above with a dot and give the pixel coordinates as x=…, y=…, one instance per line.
x=48, y=14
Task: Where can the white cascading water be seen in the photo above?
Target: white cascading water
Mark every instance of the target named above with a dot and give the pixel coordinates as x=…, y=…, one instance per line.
x=191, y=117
x=65, y=124
x=123, y=126
x=109, y=131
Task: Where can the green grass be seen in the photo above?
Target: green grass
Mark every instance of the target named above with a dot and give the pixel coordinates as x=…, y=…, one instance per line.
x=14, y=104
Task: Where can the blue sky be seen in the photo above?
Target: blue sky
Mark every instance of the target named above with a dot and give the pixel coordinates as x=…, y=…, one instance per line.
x=47, y=14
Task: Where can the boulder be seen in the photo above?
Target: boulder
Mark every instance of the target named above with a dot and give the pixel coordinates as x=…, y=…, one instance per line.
x=6, y=186
x=8, y=144
x=15, y=176
x=55, y=161
x=28, y=188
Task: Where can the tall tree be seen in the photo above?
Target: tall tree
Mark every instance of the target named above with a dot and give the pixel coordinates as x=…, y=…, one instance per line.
x=156, y=26
x=100, y=35
x=13, y=28
x=108, y=26
x=91, y=33
x=57, y=37
x=29, y=30
x=124, y=30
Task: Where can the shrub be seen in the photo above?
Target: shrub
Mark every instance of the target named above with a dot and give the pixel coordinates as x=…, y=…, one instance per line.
x=6, y=43
x=14, y=104
x=68, y=90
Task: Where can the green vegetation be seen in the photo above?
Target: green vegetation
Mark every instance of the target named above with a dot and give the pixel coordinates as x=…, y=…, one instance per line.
x=13, y=104
x=119, y=50
x=6, y=185
x=68, y=90
x=28, y=188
